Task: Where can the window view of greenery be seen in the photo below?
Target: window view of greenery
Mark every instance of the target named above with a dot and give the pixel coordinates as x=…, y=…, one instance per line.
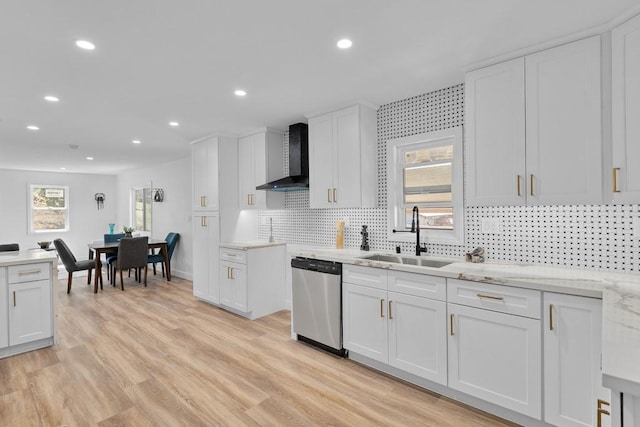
x=427, y=184
x=143, y=202
x=49, y=208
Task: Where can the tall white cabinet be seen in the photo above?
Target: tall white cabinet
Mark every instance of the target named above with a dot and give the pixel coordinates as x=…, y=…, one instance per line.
x=343, y=158
x=572, y=373
x=626, y=111
x=534, y=132
x=260, y=160
x=215, y=209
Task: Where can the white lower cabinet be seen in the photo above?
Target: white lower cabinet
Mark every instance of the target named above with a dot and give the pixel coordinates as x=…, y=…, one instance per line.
x=572, y=345
x=29, y=311
x=233, y=285
x=405, y=331
x=496, y=357
x=206, y=238
x=4, y=304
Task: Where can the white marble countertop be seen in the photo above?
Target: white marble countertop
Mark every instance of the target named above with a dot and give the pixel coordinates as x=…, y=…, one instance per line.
x=253, y=244
x=620, y=294
x=27, y=257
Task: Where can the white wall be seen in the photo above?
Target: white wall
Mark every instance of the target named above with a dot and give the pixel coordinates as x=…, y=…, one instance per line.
x=172, y=215
x=85, y=220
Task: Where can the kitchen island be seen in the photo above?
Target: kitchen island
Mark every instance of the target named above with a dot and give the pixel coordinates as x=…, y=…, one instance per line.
x=599, y=309
x=27, y=300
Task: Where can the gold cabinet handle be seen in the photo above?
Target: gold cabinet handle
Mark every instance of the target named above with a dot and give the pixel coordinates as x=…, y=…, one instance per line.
x=231, y=269
x=518, y=184
x=248, y=199
x=335, y=196
x=381, y=308
x=252, y=200
x=602, y=411
x=390, y=315
x=493, y=297
x=531, y=183
x=29, y=272
x=201, y=201
x=329, y=195
x=204, y=198
x=203, y=221
x=615, y=180
x=451, y=325
x=14, y=298
x=551, y=317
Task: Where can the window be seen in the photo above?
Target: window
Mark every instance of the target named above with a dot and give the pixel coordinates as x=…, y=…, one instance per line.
x=142, y=202
x=49, y=208
x=426, y=171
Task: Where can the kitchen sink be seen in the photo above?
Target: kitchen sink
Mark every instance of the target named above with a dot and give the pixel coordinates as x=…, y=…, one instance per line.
x=398, y=259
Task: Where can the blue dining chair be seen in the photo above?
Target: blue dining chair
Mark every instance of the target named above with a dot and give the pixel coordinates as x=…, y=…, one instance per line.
x=172, y=240
x=112, y=258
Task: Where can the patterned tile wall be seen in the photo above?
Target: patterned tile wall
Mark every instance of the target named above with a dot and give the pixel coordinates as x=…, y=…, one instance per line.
x=585, y=236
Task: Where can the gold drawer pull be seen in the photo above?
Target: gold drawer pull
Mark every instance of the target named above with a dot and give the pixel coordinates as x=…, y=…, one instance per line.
x=551, y=317
x=14, y=298
x=381, y=308
x=335, y=196
x=602, y=411
x=531, y=183
x=390, y=315
x=29, y=272
x=328, y=195
x=451, y=324
x=615, y=180
x=490, y=297
x=518, y=184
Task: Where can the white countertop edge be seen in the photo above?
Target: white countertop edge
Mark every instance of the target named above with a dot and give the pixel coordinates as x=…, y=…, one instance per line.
x=27, y=257
x=257, y=244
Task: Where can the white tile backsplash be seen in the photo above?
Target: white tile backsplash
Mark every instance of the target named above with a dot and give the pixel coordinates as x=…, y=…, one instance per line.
x=584, y=236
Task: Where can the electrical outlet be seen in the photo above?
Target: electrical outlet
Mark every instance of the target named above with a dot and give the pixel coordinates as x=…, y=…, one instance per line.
x=346, y=221
x=490, y=226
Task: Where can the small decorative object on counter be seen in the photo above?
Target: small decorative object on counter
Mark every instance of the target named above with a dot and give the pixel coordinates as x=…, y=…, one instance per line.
x=365, y=239
x=340, y=234
x=271, y=239
x=127, y=231
x=476, y=256
x=111, y=228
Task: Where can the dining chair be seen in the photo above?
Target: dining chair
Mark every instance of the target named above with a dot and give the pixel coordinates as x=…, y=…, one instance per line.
x=172, y=240
x=111, y=258
x=132, y=253
x=9, y=247
x=71, y=264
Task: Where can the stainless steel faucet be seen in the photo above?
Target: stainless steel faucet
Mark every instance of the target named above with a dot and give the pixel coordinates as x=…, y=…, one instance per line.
x=415, y=228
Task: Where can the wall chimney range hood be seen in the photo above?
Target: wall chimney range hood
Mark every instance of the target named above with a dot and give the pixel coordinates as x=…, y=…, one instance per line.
x=298, y=178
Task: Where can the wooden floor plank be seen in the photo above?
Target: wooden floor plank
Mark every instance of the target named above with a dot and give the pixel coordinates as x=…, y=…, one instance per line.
x=157, y=356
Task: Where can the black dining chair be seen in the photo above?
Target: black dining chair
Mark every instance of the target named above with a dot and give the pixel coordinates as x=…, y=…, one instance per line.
x=132, y=253
x=71, y=264
x=9, y=247
x=172, y=241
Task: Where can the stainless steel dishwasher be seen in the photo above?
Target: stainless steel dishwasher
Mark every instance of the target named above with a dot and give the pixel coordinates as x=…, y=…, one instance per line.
x=317, y=303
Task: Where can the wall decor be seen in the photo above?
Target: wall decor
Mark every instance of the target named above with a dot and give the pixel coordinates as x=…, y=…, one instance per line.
x=158, y=195
x=99, y=198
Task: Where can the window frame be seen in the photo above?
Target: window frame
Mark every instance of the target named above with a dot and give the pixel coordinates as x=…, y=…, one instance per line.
x=149, y=224
x=395, y=189
x=31, y=208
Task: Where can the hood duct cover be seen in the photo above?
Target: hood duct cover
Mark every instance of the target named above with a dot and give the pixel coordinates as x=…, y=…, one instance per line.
x=298, y=178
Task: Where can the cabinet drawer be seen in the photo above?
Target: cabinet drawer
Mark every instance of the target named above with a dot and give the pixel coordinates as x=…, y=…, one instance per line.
x=505, y=299
x=29, y=272
x=233, y=255
x=365, y=276
x=421, y=285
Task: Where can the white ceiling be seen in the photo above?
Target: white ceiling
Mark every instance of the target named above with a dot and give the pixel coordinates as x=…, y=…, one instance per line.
x=162, y=60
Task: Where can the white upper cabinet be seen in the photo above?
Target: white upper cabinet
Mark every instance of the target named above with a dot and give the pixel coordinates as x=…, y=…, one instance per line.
x=204, y=160
x=260, y=160
x=343, y=158
x=626, y=111
x=495, y=134
x=554, y=155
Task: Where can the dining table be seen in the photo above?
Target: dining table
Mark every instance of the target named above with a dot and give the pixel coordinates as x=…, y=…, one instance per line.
x=97, y=248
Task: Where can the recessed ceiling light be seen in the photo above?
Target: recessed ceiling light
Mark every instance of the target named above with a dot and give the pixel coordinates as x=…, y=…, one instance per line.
x=136, y=141
x=344, y=44
x=86, y=45
x=89, y=158
x=174, y=124
x=63, y=169
x=240, y=92
x=51, y=98
x=33, y=127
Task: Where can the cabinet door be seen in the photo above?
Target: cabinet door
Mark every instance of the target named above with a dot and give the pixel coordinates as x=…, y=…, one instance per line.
x=206, y=238
x=233, y=286
x=204, y=157
x=626, y=110
x=572, y=346
x=4, y=304
x=495, y=135
x=418, y=336
x=496, y=357
x=321, y=161
x=246, y=172
x=364, y=325
x=29, y=311
x=563, y=116
x=346, y=158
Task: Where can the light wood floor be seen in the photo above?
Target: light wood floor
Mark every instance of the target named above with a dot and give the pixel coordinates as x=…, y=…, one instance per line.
x=156, y=356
